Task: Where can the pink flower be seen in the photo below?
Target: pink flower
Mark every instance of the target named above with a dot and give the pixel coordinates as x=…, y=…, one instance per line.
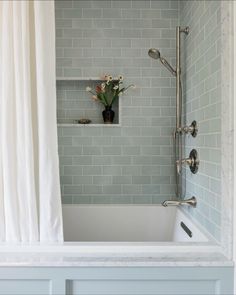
x=105, y=77
x=94, y=97
x=98, y=89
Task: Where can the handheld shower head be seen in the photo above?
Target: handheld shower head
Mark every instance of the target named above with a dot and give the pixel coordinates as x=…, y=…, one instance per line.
x=155, y=53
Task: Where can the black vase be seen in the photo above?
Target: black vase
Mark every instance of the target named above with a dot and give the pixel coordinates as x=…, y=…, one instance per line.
x=108, y=115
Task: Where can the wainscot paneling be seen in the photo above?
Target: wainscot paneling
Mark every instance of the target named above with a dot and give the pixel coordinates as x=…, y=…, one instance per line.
x=119, y=280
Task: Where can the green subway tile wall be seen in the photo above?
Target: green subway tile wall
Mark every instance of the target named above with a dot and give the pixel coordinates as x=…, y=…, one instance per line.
x=131, y=163
x=202, y=93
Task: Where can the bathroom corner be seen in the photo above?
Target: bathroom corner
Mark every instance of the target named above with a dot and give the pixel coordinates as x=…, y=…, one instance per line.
x=118, y=147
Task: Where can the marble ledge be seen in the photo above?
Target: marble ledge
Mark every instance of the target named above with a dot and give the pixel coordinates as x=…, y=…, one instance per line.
x=67, y=260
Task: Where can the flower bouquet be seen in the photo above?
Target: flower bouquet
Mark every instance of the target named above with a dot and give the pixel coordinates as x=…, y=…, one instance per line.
x=107, y=93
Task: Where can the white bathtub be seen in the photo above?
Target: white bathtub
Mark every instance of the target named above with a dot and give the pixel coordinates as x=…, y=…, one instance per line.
x=118, y=231
x=110, y=248
x=127, y=223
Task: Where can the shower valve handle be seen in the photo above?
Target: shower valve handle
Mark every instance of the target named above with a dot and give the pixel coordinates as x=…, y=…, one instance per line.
x=192, y=129
x=192, y=162
x=179, y=163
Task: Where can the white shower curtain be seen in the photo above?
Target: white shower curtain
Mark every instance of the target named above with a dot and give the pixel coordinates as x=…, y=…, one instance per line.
x=30, y=203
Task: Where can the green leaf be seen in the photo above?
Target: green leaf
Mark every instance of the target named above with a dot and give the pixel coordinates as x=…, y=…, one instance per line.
x=106, y=98
x=101, y=98
x=114, y=98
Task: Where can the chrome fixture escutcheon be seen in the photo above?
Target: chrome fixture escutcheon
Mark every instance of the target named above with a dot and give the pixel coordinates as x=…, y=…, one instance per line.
x=192, y=162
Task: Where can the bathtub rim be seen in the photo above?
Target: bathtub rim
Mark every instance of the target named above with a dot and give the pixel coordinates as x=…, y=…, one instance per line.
x=111, y=248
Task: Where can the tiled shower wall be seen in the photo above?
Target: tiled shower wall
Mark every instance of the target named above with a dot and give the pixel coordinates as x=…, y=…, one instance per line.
x=131, y=163
x=202, y=95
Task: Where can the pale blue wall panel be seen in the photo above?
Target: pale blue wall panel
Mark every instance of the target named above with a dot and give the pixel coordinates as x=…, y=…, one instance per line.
x=25, y=286
x=134, y=287
x=113, y=281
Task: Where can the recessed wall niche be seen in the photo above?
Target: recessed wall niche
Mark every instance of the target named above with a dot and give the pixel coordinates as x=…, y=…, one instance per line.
x=75, y=103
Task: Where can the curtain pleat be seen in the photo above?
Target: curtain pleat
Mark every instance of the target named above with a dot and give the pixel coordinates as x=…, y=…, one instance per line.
x=30, y=201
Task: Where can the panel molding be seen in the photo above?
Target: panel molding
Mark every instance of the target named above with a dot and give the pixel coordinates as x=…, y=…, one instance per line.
x=124, y=280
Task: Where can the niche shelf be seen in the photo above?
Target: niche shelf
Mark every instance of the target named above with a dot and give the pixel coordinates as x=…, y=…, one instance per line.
x=74, y=103
x=79, y=79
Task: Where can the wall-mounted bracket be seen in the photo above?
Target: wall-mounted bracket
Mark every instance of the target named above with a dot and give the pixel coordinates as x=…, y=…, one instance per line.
x=185, y=30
